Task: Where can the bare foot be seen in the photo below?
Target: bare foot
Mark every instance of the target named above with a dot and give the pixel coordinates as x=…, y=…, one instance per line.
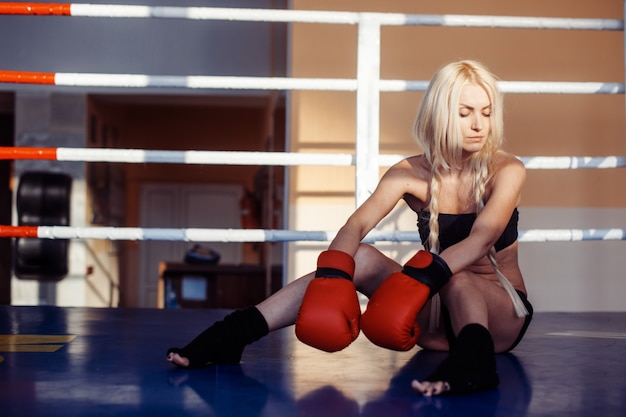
x=178, y=360
x=429, y=389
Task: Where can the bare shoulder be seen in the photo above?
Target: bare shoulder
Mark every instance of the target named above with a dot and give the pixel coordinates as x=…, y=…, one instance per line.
x=415, y=167
x=408, y=179
x=508, y=179
x=507, y=165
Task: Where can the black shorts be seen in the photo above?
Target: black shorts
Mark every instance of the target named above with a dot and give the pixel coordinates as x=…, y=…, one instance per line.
x=450, y=334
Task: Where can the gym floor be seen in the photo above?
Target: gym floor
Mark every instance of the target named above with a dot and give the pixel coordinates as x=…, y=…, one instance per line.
x=100, y=362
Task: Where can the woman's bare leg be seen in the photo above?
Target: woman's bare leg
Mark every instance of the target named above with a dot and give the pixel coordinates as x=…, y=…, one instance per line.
x=476, y=301
x=281, y=308
x=372, y=268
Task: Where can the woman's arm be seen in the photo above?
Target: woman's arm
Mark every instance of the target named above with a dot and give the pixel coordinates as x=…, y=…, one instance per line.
x=397, y=181
x=490, y=224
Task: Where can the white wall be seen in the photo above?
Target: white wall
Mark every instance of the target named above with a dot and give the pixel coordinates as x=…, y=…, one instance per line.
x=574, y=276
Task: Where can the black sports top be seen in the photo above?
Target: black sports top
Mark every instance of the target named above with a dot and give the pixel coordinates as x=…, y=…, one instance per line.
x=455, y=227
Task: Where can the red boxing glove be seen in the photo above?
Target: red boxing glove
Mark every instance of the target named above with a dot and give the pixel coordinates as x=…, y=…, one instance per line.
x=390, y=320
x=329, y=315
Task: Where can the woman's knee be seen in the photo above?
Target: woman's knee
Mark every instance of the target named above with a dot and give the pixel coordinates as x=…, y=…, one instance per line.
x=459, y=283
x=372, y=267
x=459, y=280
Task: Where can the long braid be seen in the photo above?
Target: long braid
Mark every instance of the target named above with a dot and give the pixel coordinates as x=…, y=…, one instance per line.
x=433, y=208
x=433, y=242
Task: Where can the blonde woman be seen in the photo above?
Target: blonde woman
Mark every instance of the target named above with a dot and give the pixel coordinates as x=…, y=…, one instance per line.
x=464, y=294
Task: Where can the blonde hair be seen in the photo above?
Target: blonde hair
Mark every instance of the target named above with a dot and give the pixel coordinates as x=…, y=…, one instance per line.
x=437, y=131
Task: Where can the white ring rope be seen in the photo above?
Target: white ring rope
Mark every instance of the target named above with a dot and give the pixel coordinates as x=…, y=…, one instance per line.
x=254, y=158
x=560, y=87
x=202, y=82
x=573, y=162
x=334, y=17
x=203, y=157
x=260, y=235
x=571, y=235
x=316, y=84
x=519, y=87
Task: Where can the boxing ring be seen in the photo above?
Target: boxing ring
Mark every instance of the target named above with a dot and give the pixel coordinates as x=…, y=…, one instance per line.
x=84, y=361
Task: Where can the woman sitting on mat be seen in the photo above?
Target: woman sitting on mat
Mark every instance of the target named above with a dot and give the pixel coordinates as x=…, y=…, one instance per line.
x=464, y=294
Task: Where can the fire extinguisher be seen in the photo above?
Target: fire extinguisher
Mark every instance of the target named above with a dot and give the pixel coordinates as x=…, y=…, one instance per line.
x=249, y=211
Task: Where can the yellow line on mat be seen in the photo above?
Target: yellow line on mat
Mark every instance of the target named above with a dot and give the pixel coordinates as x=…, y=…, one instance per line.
x=32, y=342
x=30, y=348
x=29, y=339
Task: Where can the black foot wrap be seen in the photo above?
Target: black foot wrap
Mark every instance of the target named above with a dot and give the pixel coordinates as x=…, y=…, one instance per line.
x=471, y=365
x=224, y=341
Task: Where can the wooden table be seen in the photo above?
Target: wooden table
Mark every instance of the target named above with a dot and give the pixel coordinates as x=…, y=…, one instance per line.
x=215, y=286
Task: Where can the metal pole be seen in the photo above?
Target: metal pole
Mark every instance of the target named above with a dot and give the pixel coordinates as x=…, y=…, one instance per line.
x=367, y=107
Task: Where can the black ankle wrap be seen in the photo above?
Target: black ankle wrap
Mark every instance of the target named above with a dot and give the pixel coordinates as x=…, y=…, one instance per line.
x=224, y=341
x=471, y=364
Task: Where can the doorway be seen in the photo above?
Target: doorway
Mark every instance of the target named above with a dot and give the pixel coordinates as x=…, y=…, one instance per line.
x=184, y=206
